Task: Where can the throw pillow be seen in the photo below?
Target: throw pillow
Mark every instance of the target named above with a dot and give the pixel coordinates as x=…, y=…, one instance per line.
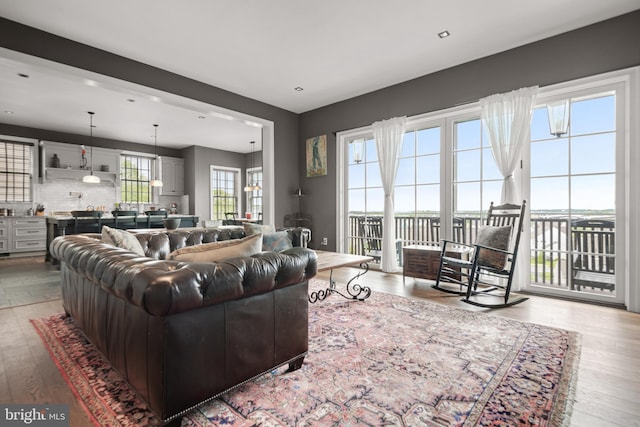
x=276, y=242
x=250, y=228
x=493, y=237
x=122, y=239
x=217, y=251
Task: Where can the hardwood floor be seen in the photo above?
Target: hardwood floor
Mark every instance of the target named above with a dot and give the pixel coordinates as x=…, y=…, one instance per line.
x=608, y=388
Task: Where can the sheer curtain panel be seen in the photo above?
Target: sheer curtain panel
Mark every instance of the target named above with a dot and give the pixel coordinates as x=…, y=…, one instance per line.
x=506, y=119
x=388, y=135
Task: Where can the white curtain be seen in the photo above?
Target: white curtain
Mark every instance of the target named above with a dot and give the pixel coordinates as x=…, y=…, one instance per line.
x=388, y=135
x=507, y=119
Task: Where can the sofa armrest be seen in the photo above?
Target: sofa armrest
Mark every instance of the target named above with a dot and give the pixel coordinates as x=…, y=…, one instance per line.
x=300, y=236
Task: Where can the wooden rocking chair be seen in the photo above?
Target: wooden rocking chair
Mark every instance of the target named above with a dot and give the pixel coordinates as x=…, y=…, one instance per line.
x=488, y=273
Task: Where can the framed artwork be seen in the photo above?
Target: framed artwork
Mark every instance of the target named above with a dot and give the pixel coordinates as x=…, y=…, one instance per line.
x=317, y=156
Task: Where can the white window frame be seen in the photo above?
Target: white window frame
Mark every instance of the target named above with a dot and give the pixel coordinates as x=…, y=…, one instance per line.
x=238, y=192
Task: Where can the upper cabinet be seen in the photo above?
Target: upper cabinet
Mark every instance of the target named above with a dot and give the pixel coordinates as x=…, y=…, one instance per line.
x=64, y=161
x=172, y=169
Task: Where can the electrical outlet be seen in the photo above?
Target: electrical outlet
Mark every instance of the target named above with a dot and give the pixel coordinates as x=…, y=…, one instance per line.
x=325, y=241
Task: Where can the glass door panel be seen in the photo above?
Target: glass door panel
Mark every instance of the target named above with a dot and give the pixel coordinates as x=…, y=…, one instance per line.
x=573, y=200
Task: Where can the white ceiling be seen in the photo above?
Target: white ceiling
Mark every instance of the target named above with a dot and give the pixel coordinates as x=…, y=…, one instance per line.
x=333, y=49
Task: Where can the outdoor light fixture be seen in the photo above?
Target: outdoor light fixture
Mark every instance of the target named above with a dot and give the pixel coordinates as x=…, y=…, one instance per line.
x=358, y=147
x=254, y=187
x=558, y=117
x=156, y=182
x=91, y=178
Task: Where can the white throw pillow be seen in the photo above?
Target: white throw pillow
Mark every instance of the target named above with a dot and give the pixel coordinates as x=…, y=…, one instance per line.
x=217, y=251
x=122, y=239
x=251, y=229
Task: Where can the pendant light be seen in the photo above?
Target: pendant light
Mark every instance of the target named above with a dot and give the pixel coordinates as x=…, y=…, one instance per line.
x=558, y=113
x=358, y=146
x=91, y=178
x=255, y=186
x=156, y=182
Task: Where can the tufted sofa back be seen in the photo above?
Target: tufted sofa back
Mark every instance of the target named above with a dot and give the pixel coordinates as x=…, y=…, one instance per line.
x=158, y=245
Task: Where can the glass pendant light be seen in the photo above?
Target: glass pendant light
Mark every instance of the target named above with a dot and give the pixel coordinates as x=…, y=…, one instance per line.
x=91, y=178
x=254, y=187
x=358, y=146
x=156, y=182
x=558, y=117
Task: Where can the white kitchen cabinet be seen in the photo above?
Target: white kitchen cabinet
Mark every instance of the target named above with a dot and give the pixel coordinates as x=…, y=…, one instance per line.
x=23, y=234
x=4, y=235
x=172, y=169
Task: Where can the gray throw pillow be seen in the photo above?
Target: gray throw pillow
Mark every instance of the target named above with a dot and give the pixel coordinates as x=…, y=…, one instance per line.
x=493, y=237
x=276, y=242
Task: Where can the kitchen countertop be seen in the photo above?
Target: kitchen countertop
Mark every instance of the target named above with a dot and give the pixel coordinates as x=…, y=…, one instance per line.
x=109, y=216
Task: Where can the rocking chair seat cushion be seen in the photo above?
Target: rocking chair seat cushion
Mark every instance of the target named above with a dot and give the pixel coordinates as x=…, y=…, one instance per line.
x=493, y=237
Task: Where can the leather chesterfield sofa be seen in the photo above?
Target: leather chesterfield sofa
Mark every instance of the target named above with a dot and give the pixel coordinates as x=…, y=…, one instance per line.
x=183, y=333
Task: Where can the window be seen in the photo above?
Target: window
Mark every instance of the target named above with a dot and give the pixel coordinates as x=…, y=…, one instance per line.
x=135, y=175
x=224, y=191
x=417, y=188
x=15, y=171
x=254, y=198
x=573, y=183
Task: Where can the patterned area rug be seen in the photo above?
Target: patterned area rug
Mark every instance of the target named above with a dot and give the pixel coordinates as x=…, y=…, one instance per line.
x=386, y=361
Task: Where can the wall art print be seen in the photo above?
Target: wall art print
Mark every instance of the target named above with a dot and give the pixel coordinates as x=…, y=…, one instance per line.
x=317, y=156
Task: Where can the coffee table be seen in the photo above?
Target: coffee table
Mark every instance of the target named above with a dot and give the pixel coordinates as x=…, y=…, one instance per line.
x=330, y=260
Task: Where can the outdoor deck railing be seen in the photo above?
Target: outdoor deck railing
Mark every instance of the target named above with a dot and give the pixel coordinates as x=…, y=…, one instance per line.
x=551, y=245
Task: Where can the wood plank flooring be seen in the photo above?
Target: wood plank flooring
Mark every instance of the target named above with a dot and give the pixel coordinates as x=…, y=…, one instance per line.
x=608, y=389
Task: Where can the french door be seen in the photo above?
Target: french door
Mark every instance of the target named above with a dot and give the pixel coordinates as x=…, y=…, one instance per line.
x=576, y=197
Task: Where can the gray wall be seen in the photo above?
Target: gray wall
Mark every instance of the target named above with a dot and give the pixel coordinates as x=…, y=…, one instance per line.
x=29, y=40
x=606, y=46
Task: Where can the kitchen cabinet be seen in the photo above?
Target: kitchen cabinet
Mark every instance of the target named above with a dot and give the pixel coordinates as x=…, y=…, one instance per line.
x=23, y=234
x=4, y=235
x=172, y=169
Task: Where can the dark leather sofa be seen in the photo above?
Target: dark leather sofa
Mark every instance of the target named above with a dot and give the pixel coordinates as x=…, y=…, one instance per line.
x=182, y=333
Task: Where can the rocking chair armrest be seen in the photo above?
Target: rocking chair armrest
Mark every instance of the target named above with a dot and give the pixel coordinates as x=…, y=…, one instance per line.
x=444, y=242
x=479, y=246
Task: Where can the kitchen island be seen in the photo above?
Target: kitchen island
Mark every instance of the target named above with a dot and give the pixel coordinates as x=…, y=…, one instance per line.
x=62, y=225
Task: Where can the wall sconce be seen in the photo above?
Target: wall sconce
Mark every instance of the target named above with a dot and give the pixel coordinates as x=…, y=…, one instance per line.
x=358, y=148
x=558, y=117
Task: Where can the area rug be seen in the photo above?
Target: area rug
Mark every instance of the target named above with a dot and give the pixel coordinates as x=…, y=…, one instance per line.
x=386, y=361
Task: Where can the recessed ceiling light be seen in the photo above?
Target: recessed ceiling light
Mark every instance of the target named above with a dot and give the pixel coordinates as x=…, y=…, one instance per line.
x=131, y=100
x=444, y=34
x=299, y=89
x=8, y=112
x=201, y=117
x=23, y=75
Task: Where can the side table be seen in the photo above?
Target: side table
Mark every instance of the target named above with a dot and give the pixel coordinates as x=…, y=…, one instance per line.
x=422, y=262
